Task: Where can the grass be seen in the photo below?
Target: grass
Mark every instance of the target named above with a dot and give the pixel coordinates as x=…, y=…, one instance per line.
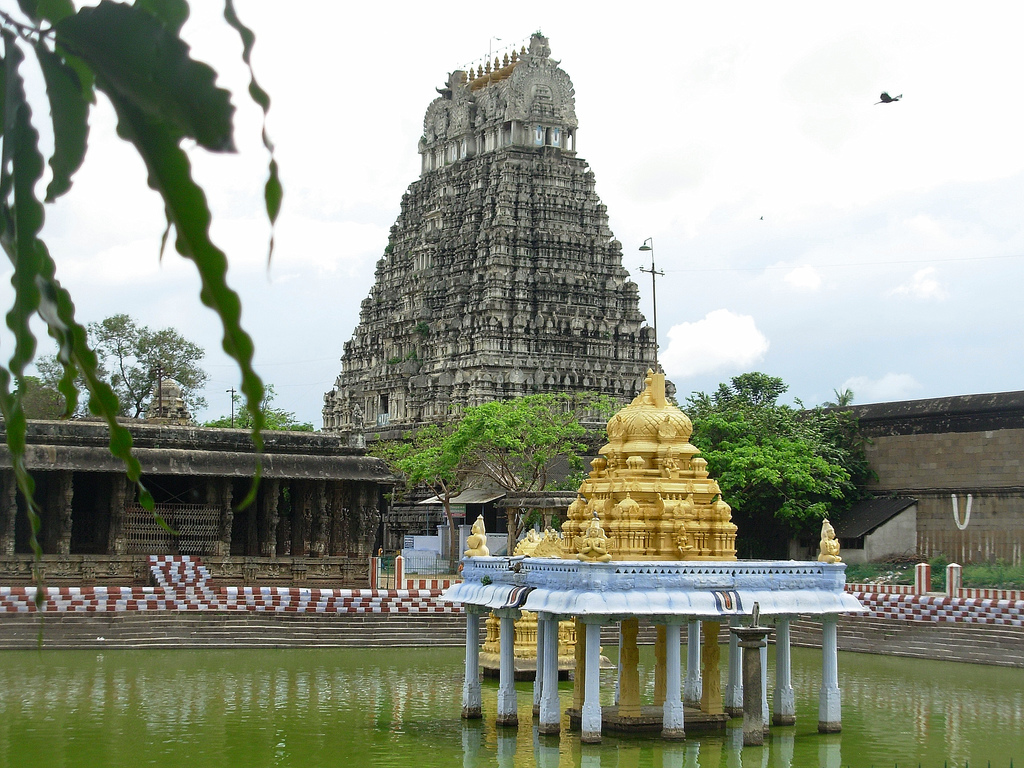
x=997, y=575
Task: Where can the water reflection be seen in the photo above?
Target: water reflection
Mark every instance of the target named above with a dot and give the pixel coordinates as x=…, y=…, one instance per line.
x=401, y=707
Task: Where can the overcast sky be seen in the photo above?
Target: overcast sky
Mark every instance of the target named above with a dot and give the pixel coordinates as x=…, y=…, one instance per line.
x=804, y=230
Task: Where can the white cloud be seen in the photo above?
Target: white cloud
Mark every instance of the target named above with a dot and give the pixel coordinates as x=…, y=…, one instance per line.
x=804, y=279
x=892, y=386
x=923, y=285
x=722, y=339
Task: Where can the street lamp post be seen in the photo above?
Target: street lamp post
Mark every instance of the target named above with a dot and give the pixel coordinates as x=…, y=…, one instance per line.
x=649, y=246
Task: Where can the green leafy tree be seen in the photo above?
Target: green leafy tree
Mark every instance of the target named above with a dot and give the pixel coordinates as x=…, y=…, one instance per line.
x=134, y=56
x=39, y=400
x=433, y=459
x=273, y=418
x=515, y=442
x=781, y=469
x=132, y=357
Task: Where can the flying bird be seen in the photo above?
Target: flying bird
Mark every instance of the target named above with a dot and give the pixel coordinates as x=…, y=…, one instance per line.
x=887, y=99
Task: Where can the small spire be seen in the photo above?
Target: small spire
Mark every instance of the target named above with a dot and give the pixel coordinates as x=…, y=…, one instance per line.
x=515, y=56
x=487, y=69
x=506, y=60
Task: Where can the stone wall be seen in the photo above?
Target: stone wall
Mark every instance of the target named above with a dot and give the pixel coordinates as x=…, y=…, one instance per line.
x=971, y=445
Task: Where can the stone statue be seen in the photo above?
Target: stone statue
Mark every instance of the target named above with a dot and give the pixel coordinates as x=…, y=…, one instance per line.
x=829, y=548
x=528, y=545
x=549, y=545
x=593, y=545
x=477, y=541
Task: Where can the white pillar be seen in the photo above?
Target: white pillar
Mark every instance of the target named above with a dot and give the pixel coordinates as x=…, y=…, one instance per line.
x=829, y=700
x=764, y=687
x=550, y=711
x=508, y=713
x=734, y=688
x=590, y=725
x=784, y=702
x=694, y=684
x=471, y=685
x=618, y=674
x=538, y=677
x=672, y=719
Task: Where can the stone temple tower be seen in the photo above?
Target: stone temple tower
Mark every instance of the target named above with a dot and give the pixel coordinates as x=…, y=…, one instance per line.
x=501, y=277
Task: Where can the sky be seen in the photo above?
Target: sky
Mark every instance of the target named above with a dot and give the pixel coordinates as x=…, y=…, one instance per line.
x=804, y=230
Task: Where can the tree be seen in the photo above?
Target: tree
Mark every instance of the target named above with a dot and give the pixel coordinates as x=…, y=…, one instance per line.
x=844, y=399
x=513, y=443
x=136, y=357
x=273, y=418
x=431, y=458
x=39, y=400
x=134, y=55
x=781, y=469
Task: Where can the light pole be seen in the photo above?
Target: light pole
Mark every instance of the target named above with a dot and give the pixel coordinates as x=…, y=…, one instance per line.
x=649, y=246
x=232, y=391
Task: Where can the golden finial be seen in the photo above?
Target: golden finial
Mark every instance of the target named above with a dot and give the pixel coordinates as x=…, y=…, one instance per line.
x=487, y=69
x=522, y=51
x=515, y=56
x=506, y=60
x=479, y=71
x=497, y=64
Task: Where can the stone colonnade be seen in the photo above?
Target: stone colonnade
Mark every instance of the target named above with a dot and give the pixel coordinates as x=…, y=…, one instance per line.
x=291, y=517
x=702, y=683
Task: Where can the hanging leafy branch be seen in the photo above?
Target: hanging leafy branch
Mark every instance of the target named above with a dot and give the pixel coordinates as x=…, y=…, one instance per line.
x=135, y=57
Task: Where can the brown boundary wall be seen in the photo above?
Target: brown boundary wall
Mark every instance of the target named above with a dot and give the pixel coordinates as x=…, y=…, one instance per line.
x=967, y=445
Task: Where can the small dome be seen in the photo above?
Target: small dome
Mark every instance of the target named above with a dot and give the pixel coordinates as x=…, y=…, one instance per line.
x=649, y=422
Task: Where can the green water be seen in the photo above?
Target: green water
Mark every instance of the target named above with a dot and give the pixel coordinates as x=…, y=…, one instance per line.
x=400, y=707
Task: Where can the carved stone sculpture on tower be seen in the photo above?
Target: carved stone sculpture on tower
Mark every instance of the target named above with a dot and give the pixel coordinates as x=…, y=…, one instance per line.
x=501, y=276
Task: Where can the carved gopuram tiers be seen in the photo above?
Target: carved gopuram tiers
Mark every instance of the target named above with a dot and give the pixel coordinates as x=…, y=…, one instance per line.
x=501, y=276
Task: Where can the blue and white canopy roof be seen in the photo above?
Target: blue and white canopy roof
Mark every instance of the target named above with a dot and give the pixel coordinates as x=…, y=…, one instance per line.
x=657, y=590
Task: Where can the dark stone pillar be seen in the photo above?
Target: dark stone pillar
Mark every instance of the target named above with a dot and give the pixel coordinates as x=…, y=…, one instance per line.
x=227, y=517
x=61, y=493
x=284, y=522
x=321, y=525
x=8, y=510
x=116, y=542
x=268, y=513
x=339, y=513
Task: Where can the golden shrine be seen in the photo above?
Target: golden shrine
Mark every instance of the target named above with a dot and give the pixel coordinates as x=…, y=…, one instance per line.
x=650, y=491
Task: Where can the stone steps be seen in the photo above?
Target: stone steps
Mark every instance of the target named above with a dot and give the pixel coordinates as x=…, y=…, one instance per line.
x=971, y=643
x=231, y=630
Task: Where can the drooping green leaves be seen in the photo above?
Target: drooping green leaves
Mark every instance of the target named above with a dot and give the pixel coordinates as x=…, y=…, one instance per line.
x=273, y=191
x=173, y=13
x=147, y=65
x=133, y=54
x=69, y=108
x=170, y=174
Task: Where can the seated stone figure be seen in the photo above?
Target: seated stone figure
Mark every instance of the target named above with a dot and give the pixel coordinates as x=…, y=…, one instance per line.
x=477, y=541
x=593, y=545
x=829, y=548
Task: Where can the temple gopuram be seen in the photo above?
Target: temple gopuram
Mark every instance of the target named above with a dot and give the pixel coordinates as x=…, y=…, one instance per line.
x=650, y=541
x=501, y=276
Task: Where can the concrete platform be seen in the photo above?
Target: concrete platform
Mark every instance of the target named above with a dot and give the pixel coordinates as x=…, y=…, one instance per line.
x=651, y=719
